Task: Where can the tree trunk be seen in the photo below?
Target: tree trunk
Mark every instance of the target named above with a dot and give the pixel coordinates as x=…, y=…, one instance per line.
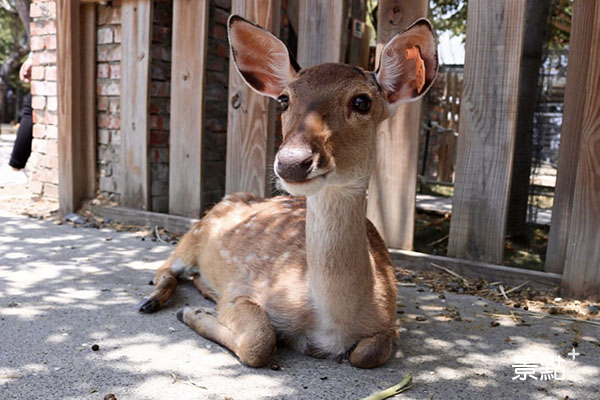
x=535, y=36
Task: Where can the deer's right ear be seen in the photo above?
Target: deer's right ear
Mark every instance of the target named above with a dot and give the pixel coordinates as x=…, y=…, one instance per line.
x=261, y=58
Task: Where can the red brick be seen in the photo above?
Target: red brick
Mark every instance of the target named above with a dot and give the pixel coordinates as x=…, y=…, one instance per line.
x=44, y=57
x=219, y=32
x=36, y=43
x=115, y=71
x=51, y=73
x=221, y=16
x=117, y=33
x=114, y=105
x=222, y=50
x=107, y=87
x=158, y=138
x=35, y=186
x=51, y=131
x=102, y=104
x=42, y=9
x=51, y=162
x=51, y=103
x=108, y=121
x=109, y=52
x=158, y=122
x=39, y=131
x=103, y=70
x=216, y=64
x=44, y=117
x=50, y=42
x=37, y=73
x=42, y=27
x=41, y=88
x=105, y=35
x=38, y=102
x=45, y=146
x=50, y=191
x=160, y=89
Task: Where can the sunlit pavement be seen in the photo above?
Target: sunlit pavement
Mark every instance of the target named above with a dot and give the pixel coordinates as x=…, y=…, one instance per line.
x=64, y=289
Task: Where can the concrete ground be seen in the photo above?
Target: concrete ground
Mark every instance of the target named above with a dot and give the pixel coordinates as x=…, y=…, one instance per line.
x=64, y=289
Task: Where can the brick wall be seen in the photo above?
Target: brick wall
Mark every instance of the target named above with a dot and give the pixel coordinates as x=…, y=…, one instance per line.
x=108, y=73
x=160, y=92
x=108, y=54
x=215, y=106
x=43, y=164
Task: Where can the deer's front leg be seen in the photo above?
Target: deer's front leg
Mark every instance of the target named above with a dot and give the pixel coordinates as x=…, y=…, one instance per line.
x=373, y=351
x=166, y=283
x=242, y=326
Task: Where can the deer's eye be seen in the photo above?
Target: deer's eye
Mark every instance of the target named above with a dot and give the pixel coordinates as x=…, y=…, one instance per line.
x=362, y=103
x=284, y=102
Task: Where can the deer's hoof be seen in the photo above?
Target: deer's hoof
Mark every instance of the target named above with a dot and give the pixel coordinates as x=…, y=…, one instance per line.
x=180, y=316
x=149, y=305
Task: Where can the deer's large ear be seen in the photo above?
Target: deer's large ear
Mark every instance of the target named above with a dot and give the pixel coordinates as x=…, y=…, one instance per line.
x=261, y=58
x=408, y=64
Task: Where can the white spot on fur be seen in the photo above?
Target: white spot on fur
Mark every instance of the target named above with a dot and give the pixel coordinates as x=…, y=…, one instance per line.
x=251, y=258
x=225, y=254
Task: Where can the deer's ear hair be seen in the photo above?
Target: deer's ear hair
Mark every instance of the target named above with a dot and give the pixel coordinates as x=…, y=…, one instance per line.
x=408, y=64
x=261, y=58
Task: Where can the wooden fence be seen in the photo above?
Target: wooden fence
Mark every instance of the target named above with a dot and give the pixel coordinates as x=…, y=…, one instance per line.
x=484, y=148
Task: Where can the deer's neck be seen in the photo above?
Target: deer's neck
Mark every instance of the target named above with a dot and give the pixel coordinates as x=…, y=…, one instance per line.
x=339, y=269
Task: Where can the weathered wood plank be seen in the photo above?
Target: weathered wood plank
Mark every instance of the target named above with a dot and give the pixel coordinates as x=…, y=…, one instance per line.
x=251, y=117
x=581, y=276
x=69, y=104
x=474, y=269
x=320, y=31
x=87, y=28
x=392, y=188
x=580, y=47
x=487, y=129
x=130, y=216
x=136, y=22
x=190, y=32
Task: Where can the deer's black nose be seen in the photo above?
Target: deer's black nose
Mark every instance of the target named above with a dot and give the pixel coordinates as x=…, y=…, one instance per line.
x=294, y=163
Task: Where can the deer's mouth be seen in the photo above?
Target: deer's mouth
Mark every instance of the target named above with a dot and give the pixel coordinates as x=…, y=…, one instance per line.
x=310, y=185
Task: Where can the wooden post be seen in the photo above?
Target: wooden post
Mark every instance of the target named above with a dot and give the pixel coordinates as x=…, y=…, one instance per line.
x=76, y=76
x=136, y=22
x=580, y=48
x=69, y=102
x=320, y=31
x=190, y=33
x=487, y=129
x=251, y=117
x=581, y=276
x=392, y=189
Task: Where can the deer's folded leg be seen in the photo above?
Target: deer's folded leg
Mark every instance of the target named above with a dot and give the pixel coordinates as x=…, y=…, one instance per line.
x=242, y=326
x=373, y=351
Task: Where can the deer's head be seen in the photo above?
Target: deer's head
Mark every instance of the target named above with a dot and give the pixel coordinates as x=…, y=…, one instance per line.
x=331, y=111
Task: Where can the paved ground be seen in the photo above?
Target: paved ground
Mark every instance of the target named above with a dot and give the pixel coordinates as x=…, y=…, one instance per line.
x=63, y=289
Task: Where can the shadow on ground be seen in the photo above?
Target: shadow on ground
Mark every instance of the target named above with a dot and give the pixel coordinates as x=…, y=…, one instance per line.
x=63, y=289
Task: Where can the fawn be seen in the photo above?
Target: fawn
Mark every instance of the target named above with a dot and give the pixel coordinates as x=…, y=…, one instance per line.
x=308, y=269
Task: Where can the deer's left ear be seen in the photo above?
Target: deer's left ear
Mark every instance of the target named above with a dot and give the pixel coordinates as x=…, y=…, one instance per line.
x=408, y=64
